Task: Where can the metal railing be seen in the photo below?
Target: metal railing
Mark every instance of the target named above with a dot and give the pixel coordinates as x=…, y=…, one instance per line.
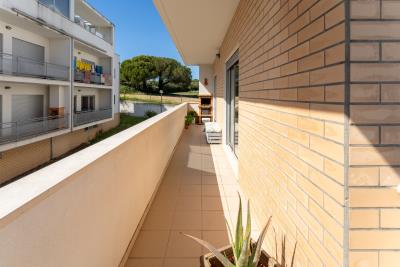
x=92, y=78
x=20, y=130
x=85, y=117
x=22, y=66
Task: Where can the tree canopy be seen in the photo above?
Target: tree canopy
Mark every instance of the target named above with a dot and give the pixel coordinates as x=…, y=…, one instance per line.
x=150, y=73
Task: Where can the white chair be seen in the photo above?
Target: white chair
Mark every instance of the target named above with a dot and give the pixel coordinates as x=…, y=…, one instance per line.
x=213, y=133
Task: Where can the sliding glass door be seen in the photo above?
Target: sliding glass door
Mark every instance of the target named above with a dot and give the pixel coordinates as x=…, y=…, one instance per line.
x=232, y=100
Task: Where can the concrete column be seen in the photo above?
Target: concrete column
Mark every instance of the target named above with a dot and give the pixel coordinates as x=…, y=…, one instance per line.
x=56, y=100
x=72, y=10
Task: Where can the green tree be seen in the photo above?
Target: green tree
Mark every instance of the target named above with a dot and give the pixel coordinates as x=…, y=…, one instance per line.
x=182, y=76
x=142, y=71
x=194, y=85
x=137, y=71
x=165, y=69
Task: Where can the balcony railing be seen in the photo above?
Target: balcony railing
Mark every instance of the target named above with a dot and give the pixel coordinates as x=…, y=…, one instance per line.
x=92, y=78
x=22, y=66
x=20, y=130
x=85, y=117
x=105, y=188
x=92, y=28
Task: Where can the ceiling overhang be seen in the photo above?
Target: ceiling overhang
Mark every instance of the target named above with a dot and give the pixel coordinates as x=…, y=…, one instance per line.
x=197, y=27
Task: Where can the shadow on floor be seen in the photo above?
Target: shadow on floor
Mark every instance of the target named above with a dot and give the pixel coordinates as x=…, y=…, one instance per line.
x=197, y=194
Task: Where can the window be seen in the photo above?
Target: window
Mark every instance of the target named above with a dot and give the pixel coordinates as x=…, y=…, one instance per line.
x=27, y=107
x=60, y=6
x=27, y=50
x=88, y=103
x=232, y=100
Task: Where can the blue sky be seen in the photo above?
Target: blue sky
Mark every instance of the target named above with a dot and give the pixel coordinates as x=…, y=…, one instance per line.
x=139, y=29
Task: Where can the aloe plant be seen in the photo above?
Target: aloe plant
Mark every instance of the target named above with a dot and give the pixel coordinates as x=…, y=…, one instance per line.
x=245, y=255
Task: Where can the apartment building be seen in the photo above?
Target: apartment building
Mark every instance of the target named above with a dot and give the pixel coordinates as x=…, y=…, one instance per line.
x=59, y=80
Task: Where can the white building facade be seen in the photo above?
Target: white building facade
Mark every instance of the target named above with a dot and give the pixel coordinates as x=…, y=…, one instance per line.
x=59, y=72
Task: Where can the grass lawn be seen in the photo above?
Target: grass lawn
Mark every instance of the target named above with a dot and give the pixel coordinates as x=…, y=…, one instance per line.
x=126, y=121
x=156, y=99
x=193, y=94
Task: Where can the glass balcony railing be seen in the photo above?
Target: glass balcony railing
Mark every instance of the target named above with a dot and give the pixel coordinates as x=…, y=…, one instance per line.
x=60, y=6
x=22, y=66
x=85, y=117
x=20, y=130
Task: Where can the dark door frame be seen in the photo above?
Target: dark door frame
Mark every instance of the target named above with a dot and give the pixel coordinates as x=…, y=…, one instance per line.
x=230, y=98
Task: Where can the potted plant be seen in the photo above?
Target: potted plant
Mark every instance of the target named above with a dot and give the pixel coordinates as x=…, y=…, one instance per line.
x=188, y=120
x=243, y=252
x=194, y=115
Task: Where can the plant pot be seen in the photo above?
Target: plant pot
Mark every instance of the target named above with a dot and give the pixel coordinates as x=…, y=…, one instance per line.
x=209, y=260
x=186, y=126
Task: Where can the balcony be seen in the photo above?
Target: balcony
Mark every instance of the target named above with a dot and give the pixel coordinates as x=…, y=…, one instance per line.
x=92, y=21
x=21, y=130
x=90, y=116
x=107, y=189
x=197, y=194
x=92, y=78
x=26, y=67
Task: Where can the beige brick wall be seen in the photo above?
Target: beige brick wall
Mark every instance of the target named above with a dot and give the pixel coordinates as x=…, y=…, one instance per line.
x=374, y=153
x=291, y=120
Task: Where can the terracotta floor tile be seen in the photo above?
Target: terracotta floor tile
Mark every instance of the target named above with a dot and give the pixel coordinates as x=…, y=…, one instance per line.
x=180, y=246
x=172, y=182
x=208, y=172
x=211, y=190
x=209, y=179
x=187, y=220
x=190, y=190
x=168, y=190
x=144, y=263
x=188, y=203
x=158, y=220
x=195, y=262
x=164, y=203
x=211, y=203
x=208, y=163
x=218, y=239
x=150, y=244
x=195, y=195
x=213, y=220
x=191, y=179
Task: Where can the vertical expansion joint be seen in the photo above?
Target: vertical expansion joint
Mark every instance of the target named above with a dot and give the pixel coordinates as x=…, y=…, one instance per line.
x=346, y=229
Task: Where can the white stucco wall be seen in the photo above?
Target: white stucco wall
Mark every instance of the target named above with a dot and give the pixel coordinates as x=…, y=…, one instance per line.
x=24, y=35
x=84, y=210
x=81, y=54
x=20, y=89
x=36, y=10
x=206, y=72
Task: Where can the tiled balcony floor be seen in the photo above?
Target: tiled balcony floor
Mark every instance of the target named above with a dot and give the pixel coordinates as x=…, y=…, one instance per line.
x=197, y=193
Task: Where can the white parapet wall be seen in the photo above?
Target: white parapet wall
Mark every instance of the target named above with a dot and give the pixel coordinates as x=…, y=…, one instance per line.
x=85, y=209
